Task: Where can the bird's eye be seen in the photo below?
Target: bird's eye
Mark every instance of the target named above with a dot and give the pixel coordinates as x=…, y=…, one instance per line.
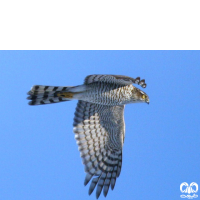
x=143, y=96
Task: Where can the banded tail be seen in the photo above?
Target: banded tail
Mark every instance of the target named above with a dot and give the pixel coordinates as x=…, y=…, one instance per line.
x=41, y=94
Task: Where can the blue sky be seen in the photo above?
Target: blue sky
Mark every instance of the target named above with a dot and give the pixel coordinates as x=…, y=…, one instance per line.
x=39, y=155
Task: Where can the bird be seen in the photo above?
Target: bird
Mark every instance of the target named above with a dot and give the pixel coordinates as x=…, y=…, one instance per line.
x=99, y=125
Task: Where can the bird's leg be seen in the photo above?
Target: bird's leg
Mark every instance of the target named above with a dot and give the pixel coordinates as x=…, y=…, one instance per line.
x=68, y=95
x=74, y=92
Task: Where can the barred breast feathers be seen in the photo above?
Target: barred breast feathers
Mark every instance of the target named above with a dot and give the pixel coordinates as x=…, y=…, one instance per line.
x=107, y=94
x=99, y=125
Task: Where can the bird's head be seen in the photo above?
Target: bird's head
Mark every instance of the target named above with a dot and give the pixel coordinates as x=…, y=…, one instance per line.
x=140, y=96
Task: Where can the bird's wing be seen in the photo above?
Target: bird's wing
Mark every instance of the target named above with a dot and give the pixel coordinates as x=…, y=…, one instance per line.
x=99, y=132
x=118, y=79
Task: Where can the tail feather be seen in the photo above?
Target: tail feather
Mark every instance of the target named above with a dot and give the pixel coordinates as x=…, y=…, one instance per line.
x=40, y=94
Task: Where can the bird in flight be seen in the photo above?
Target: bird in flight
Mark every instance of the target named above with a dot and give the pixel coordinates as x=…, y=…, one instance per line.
x=98, y=122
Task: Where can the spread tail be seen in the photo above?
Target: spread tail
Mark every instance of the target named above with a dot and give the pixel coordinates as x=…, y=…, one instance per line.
x=40, y=94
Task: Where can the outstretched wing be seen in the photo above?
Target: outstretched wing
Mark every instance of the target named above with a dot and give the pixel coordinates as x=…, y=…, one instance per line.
x=119, y=79
x=99, y=132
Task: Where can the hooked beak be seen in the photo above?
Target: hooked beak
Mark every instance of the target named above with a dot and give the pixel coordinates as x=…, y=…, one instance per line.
x=147, y=100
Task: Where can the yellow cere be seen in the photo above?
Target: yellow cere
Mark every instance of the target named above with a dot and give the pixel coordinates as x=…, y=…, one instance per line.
x=143, y=96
